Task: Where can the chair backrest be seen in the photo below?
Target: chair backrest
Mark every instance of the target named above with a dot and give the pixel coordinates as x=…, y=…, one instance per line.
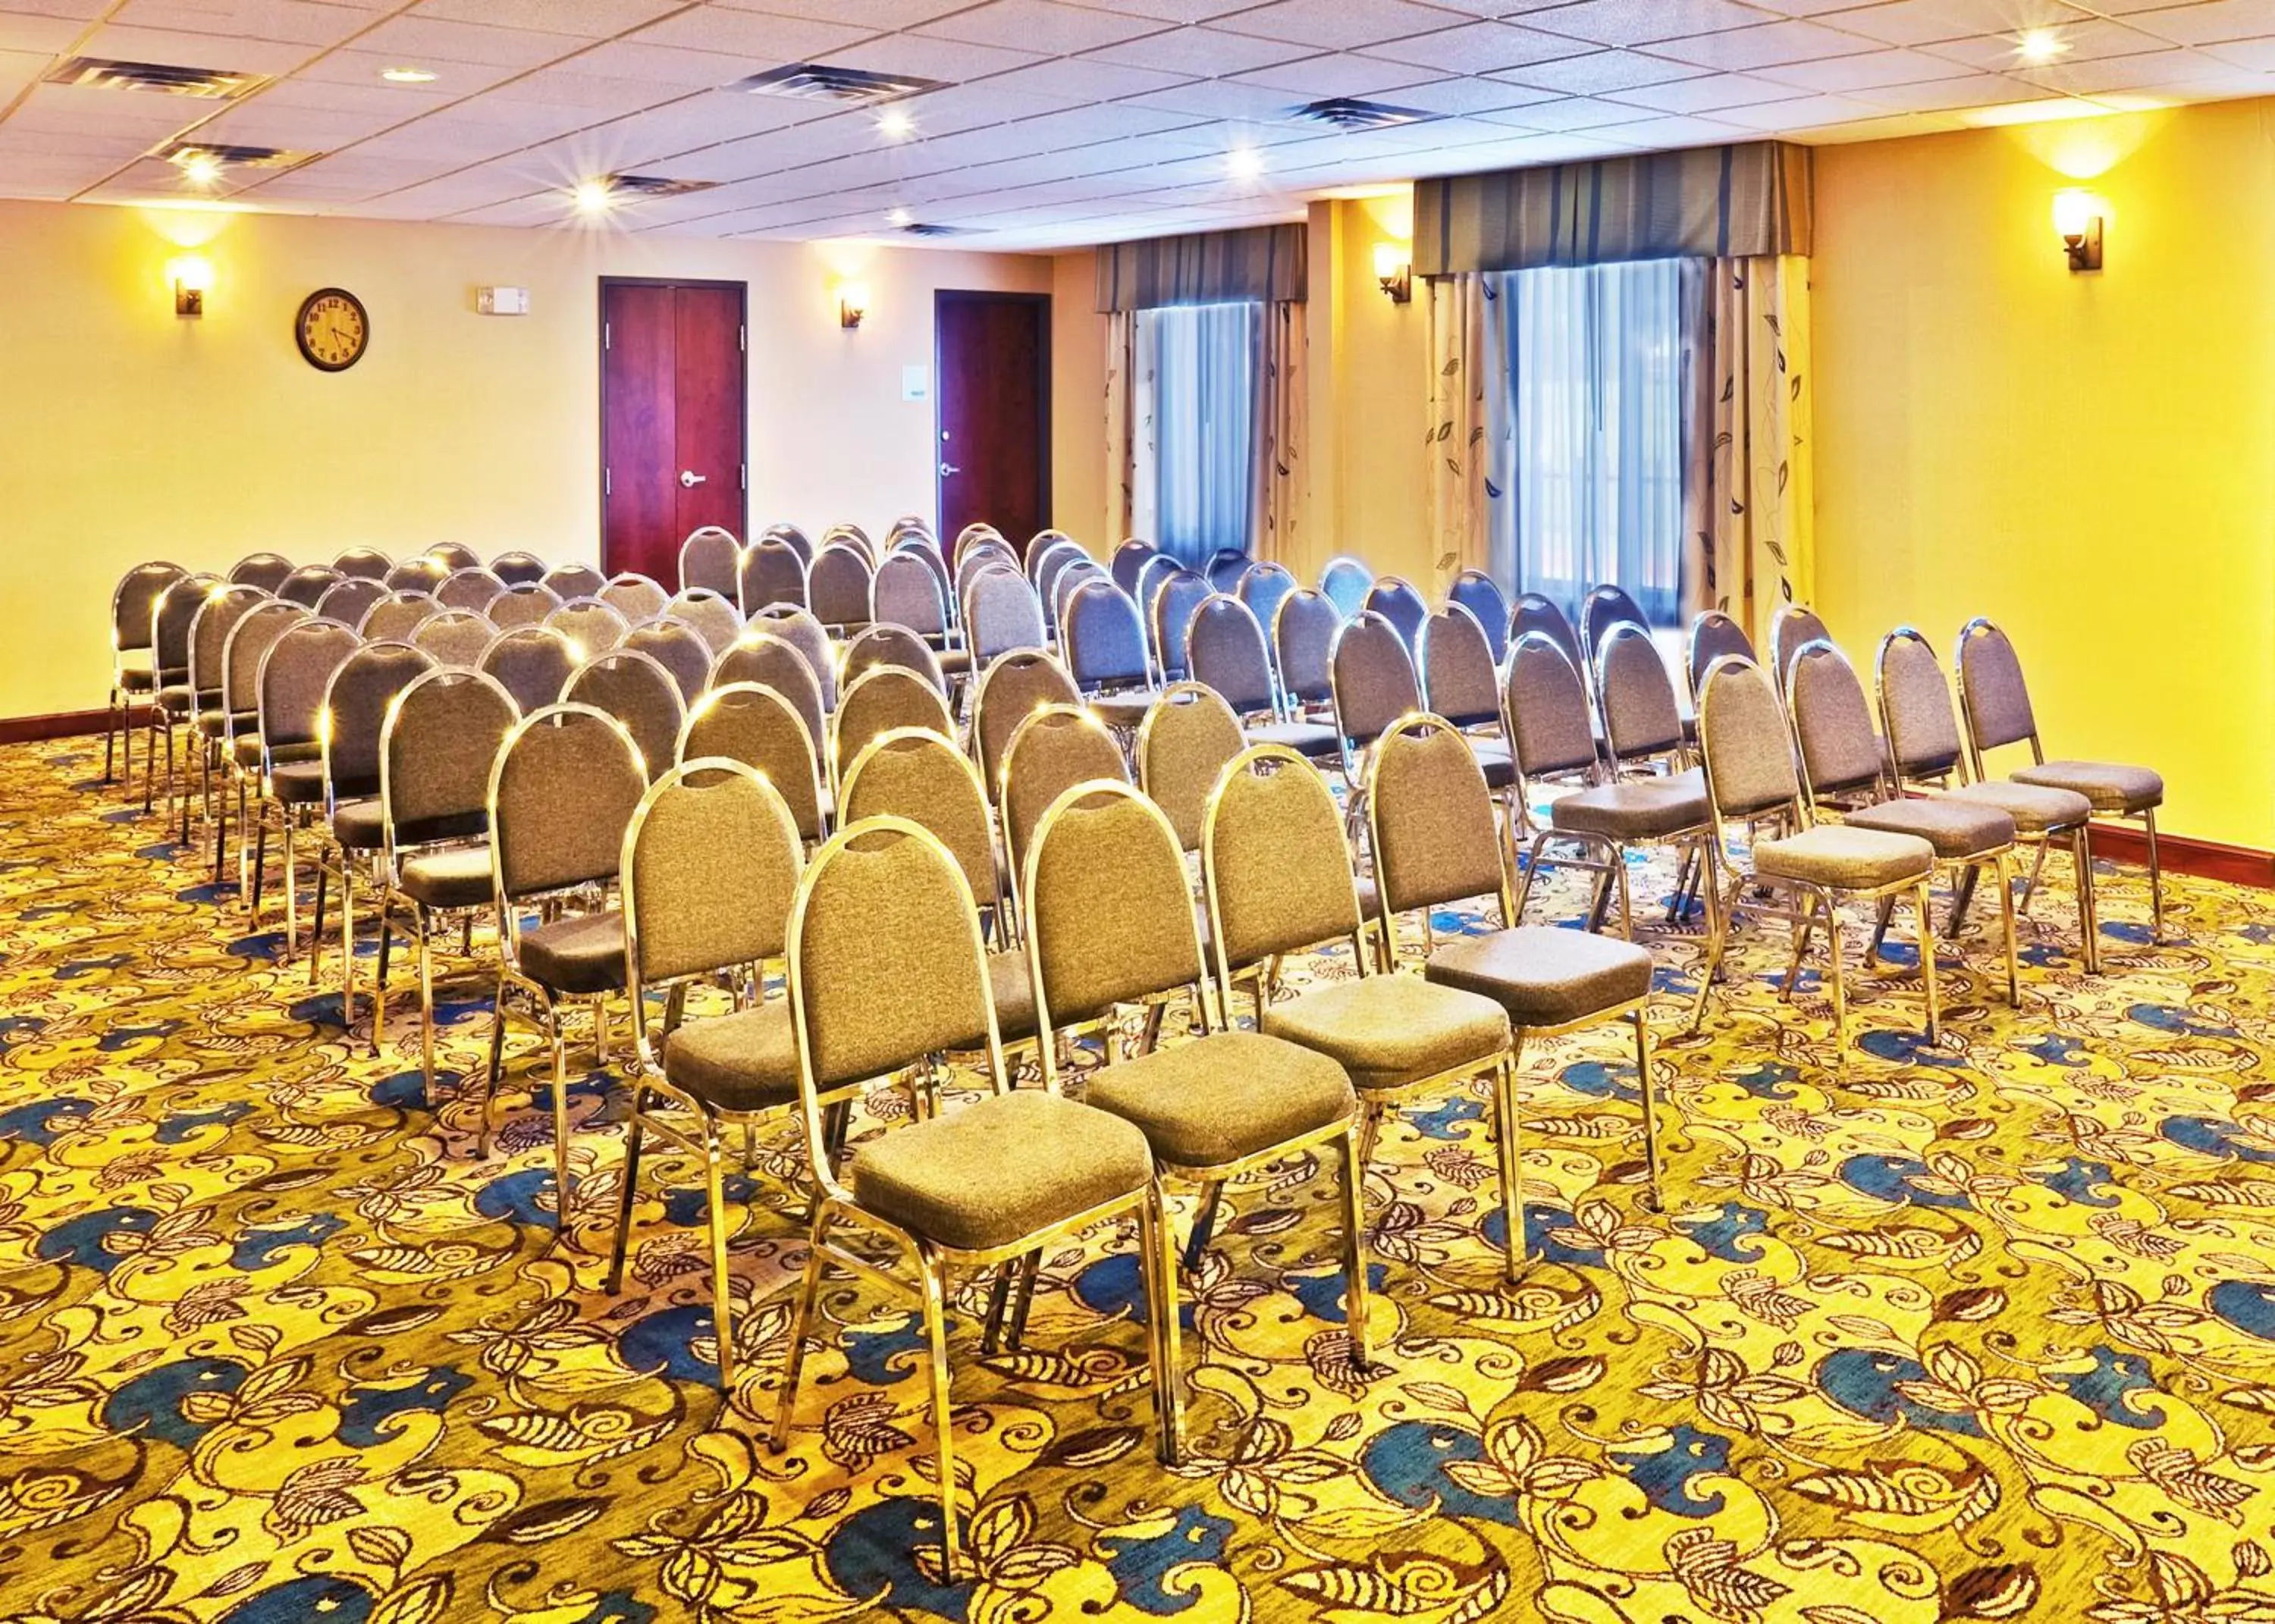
x=441, y=735
x=881, y=645
x=1000, y=612
x=170, y=618
x=1917, y=714
x=711, y=860
x=454, y=554
x=529, y=604
x=1015, y=685
x=1052, y=748
x=368, y=561
x=1345, y=583
x=1274, y=862
x=355, y=709
x=1479, y=594
x=769, y=572
x=1994, y=701
x=791, y=537
x=712, y=614
x=1459, y=681
x=803, y=631
x=916, y=774
x=638, y=692
x=1128, y=559
x=1041, y=542
x=1603, y=608
x=1398, y=601
x=1151, y=574
x=249, y=641
x=1545, y=711
x=572, y=581
x=517, y=568
x=307, y=584
x=294, y=675
x=708, y=558
x=881, y=701
x=1373, y=676
x=1712, y=635
x=847, y=535
x=267, y=570
x=1224, y=569
x=1791, y=625
x=592, y=626
x=971, y=535
x=1302, y=646
x=1745, y=744
x=532, y=661
x=349, y=599
x=1635, y=695
x=774, y=662
x=909, y=590
x=634, y=597
x=838, y=585
x=1429, y=820
x=1103, y=638
x=1831, y=723
x=758, y=727
x=454, y=636
x=979, y=555
x=677, y=647
x=209, y=628
x=1189, y=737
x=1261, y=587
x=473, y=589
x=395, y=616
x=1048, y=554
x=135, y=599
x=1532, y=612
x=563, y=790
x=1180, y=597
x=1226, y=651
x=420, y=574
x=1107, y=909
x=1065, y=582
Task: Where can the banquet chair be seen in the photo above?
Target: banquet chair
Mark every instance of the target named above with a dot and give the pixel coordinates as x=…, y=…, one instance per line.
x=1104, y=644
x=769, y=572
x=1187, y=740
x=396, y=616
x=454, y=554
x=307, y=584
x=1372, y=679
x=532, y=662
x=1397, y=601
x=710, y=558
x=573, y=580
x=1605, y=608
x=1303, y=631
x=1181, y=595
x=1150, y=575
x=774, y=662
x=1000, y=612
x=1459, y=684
x=267, y=570
x=916, y=774
x=1479, y=594
x=911, y=591
x=1224, y=569
x=1065, y=583
x=132, y=603
x=1712, y=635
x=173, y=699
x=1792, y=625
x=1128, y=559
x=791, y=537
x=838, y=585
x=1534, y=612
x=238, y=752
x=1225, y=651
x=422, y=574
x=634, y=597
x=208, y=721
x=454, y=636
x=805, y=632
x=1636, y=703
x=1345, y=583
x=880, y=700
x=712, y=614
x=591, y=626
x=882, y=645
x=477, y=588
x=294, y=676
x=368, y=561
x=1261, y=587
x=349, y=599
x=1054, y=746
x=636, y=690
x=677, y=647
x=512, y=606
x=757, y=726
x=1016, y=685
x=519, y=568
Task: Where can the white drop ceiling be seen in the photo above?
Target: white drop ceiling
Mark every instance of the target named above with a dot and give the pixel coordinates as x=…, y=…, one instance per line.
x=1062, y=122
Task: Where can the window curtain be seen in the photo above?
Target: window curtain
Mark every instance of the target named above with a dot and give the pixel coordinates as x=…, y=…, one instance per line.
x=1122, y=397
x=1282, y=428
x=1466, y=432
x=1200, y=369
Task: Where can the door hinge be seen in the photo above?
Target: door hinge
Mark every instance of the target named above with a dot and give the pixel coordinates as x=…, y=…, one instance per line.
x=607, y=336
x=742, y=337
x=608, y=483
x=742, y=478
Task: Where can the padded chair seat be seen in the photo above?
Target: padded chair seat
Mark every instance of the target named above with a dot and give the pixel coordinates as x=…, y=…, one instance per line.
x=1845, y=858
x=1013, y=995
x=985, y=1175
x=247, y=747
x=213, y=724
x=1389, y=1031
x=1634, y=809
x=1957, y=830
x=360, y=827
x=1311, y=739
x=1124, y=708
x=954, y=661
x=1545, y=977
x=301, y=783
x=175, y=699
x=457, y=877
x=583, y=953
x=2111, y=786
x=2034, y=808
x=1219, y=1099
x=1493, y=760
x=744, y=1061
x=137, y=679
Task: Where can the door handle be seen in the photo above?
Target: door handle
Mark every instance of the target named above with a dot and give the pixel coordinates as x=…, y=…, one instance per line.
x=947, y=468
x=690, y=479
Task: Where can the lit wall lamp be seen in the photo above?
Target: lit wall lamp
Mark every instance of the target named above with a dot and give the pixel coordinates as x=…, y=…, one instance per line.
x=192, y=275
x=2077, y=217
x=852, y=304
x=1394, y=269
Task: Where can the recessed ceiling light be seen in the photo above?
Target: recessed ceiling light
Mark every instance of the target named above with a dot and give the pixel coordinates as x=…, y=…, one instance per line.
x=2041, y=45
x=899, y=217
x=592, y=197
x=199, y=168
x=406, y=76
x=1243, y=163
x=896, y=124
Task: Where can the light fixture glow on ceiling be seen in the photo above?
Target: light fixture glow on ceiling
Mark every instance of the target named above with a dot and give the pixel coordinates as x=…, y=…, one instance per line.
x=2041, y=45
x=899, y=217
x=1244, y=163
x=406, y=76
x=896, y=124
x=200, y=168
x=592, y=197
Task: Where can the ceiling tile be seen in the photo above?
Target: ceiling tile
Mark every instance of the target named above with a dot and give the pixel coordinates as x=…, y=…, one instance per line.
x=416, y=38
x=761, y=41
x=295, y=22
x=1200, y=51
x=362, y=68
x=1573, y=113
x=953, y=60
x=2144, y=71
x=1881, y=67
x=48, y=35
x=1219, y=99
x=1038, y=26
x=1636, y=22
x=233, y=53
x=2257, y=56
x=1706, y=94
x=1802, y=113
x=1920, y=22
x=882, y=15
x=1317, y=77
x=1340, y=25
x=1974, y=90
x=1742, y=49
x=2215, y=23
x=1478, y=48
x=592, y=19
x=1075, y=80
x=1470, y=95
x=1599, y=70
x=1999, y=53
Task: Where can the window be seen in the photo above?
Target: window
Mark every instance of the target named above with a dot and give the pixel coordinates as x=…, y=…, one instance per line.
x=1201, y=362
x=1596, y=415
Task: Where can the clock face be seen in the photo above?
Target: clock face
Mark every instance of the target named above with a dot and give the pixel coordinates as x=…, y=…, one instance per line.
x=332, y=329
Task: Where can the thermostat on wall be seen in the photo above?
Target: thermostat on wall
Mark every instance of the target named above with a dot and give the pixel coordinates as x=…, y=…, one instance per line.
x=502, y=301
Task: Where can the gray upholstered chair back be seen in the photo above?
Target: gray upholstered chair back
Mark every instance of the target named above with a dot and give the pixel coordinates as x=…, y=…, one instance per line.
x=532, y=661
x=1181, y=596
x=1225, y=649
x=1066, y=582
x=1712, y=635
x=1790, y=626
x=250, y=639
x=1743, y=737
x=712, y=614
x=910, y=590
x=770, y=571
x=791, y=537
x=1546, y=709
x=1916, y=713
x=530, y=604
x=209, y=628
x=1399, y=602
x=397, y=616
x=971, y=535
x=572, y=581
x=293, y=676
x=591, y=626
x=1000, y=612
x=355, y=709
x=634, y=597
x=758, y=727
x=454, y=554
x=843, y=533
x=1016, y=684
x=924, y=779
x=1272, y=853
x=349, y=599
x=1189, y=737
x=638, y=692
x=1102, y=637
x=1459, y=681
x=804, y=632
x=1303, y=643
x=1373, y=678
x=1052, y=750
x=420, y=574
x=517, y=568
x=708, y=558
x=565, y=786
x=878, y=702
x=1431, y=818
x=770, y=661
x=1261, y=587
x=1998, y=701
x=1345, y=583
x=1532, y=612
x=711, y=861
x=439, y=739
x=454, y=636
x=1603, y=608
x=1128, y=559
x=838, y=587
x=880, y=646
x=471, y=589
x=267, y=570
x=177, y=610
x=1635, y=695
x=1109, y=911
x=1048, y=554
x=307, y=584
x=368, y=562
x=135, y=599
x=677, y=647
x=1832, y=721
x=1150, y=575
x=1479, y=594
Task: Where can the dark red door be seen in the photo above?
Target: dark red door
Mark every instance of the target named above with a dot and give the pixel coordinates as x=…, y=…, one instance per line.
x=994, y=361
x=671, y=419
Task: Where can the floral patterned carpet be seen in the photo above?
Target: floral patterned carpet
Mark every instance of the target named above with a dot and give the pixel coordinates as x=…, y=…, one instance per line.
x=1985, y=1332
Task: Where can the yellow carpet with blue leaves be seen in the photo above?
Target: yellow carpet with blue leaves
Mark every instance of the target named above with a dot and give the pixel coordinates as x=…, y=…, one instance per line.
x=1982, y=1332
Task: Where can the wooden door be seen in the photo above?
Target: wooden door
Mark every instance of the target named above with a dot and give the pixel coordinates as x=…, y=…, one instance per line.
x=992, y=359
x=672, y=405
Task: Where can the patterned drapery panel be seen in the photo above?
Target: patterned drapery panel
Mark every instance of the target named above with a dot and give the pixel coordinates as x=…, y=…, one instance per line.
x=1123, y=399
x=1707, y=202
x=1267, y=262
x=1467, y=434
x=1754, y=502
x=1282, y=425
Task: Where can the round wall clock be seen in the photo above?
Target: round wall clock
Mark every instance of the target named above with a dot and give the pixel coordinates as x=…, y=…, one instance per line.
x=332, y=329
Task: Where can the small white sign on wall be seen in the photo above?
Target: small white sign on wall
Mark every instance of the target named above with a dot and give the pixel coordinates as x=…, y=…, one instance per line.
x=916, y=382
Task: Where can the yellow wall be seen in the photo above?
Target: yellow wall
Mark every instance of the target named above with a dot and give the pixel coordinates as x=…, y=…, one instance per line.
x=1381, y=513
x=2088, y=459
x=126, y=434
x=1078, y=403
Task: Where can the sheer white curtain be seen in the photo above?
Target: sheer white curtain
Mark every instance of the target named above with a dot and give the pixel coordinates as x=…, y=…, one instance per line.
x=1595, y=411
x=1198, y=367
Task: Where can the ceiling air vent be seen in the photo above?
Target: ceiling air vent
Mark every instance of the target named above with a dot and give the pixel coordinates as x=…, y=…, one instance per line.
x=921, y=228
x=103, y=74
x=813, y=82
x=656, y=185
x=1345, y=113
x=221, y=152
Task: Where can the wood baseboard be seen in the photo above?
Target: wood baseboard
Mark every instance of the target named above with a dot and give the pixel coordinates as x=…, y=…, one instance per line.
x=63, y=724
x=2181, y=854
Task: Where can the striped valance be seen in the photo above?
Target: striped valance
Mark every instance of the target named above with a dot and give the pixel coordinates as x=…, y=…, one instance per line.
x=1210, y=268
x=1707, y=202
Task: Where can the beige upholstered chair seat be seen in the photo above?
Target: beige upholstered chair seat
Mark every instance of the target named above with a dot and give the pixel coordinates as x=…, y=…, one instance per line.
x=1635, y=809
x=1846, y=858
x=137, y=679
x=1389, y=1031
x=583, y=953
x=743, y=1061
x=1493, y=761
x=1957, y=829
x=2035, y=808
x=212, y=722
x=1215, y=1099
x=1542, y=976
x=247, y=749
x=1013, y=995
x=2111, y=786
x=1306, y=738
x=1125, y=708
x=457, y=877
x=954, y=661
x=298, y=783
x=986, y=1174
x=360, y=827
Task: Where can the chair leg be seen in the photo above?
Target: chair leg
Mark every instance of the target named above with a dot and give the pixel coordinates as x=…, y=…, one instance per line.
x=425, y=925
x=1627, y=894
x=1886, y=914
x=935, y=1318
x=1203, y=1224
x=722, y=1297
x=260, y=827
x=2003, y=870
x=347, y=943
x=291, y=886
x=1369, y=1128
x=219, y=806
x=2038, y=871
x=1355, y=1309
x=624, y=1195
x=379, y=980
x=1839, y=980
x=2089, y=911
x=1022, y=1299
x=809, y=1290
x=1506, y=1133
x=1802, y=931
x=1532, y=859
x=1718, y=926
x=1654, y=1194
x=1962, y=896
x=1924, y=906
x=496, y=1067
x=559, y=1044
x=316, y=923
x=2156, y=881
x=109, y=735
x=1160, y=1268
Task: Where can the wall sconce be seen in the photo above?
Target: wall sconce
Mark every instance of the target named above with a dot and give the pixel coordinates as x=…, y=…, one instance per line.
x=852, y=304
x=2077, y=217
x=1393, y=270
x=192, y=275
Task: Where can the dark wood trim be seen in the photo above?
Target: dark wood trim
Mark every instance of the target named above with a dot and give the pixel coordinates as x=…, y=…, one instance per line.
x=980, y=296
x=2181, y=854
x=64, y=724
x=601, y=326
